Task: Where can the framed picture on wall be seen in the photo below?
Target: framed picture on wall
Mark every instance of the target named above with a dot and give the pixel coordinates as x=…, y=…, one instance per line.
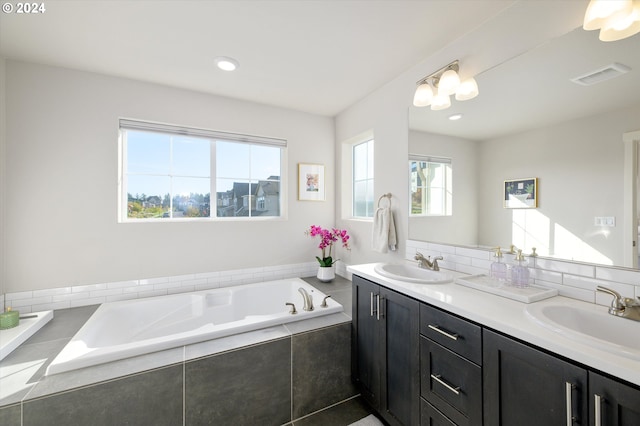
x=311, y=182
x=521, y=193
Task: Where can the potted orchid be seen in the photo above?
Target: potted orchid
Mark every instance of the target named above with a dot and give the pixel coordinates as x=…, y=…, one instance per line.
x=326, y=272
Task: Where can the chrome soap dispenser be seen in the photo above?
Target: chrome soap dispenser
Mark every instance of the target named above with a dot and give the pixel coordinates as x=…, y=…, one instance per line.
x=498, y=269
x=520, y=272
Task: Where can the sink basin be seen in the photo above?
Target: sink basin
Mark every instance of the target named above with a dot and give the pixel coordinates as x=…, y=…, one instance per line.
x=592, y=325
x=411, y=273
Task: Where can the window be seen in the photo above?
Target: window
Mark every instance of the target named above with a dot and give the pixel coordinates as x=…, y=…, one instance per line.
x=362, y=156
x=170, y=172
x=430, y=186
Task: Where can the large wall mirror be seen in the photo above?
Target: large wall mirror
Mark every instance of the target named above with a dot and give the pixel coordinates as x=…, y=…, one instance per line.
x=532, y=121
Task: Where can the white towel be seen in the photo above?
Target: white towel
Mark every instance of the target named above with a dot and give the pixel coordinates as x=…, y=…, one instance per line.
x=383, y=237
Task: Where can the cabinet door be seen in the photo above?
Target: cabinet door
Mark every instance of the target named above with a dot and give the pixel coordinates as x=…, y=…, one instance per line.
x=525, y=386
x=613, y=403
x=365, y=339
x=399, y=319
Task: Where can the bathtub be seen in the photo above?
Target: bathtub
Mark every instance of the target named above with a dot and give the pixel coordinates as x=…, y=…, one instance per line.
x=119, y=330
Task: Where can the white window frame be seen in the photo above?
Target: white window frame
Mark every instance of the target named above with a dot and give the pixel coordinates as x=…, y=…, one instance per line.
x=213, y=136
x=370, y=176
x=447, y=188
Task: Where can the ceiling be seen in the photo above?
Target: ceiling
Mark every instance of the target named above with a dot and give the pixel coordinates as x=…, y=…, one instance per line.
x=314, y=56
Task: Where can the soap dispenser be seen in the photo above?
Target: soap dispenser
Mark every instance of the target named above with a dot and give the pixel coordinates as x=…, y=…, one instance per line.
x=520, y=272
x=498, y=269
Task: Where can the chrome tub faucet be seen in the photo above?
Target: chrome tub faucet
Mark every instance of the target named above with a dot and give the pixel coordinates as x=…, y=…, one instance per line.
x=427, y=263
x=307, y=298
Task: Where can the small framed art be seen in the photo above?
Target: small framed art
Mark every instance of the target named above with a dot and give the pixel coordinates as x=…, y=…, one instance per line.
x=521, y=193
x=311, y=182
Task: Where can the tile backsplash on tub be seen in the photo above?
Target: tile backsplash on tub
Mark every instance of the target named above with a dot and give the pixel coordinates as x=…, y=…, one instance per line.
x=576, y=280
x=93, y=294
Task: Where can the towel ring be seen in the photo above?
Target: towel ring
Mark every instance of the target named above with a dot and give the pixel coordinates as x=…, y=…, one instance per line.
x=387, y=196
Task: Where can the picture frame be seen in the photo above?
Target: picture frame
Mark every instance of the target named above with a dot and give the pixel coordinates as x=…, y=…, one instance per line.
x=311, y=186
x=521, y=193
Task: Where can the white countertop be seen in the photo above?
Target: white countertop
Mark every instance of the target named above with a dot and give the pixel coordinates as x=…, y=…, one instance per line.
x=510, y=317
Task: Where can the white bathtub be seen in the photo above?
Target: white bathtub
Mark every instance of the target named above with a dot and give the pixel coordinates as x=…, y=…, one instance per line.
x=118, y=330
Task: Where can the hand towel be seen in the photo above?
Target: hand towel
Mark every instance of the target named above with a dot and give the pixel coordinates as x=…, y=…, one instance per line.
x=383, y=237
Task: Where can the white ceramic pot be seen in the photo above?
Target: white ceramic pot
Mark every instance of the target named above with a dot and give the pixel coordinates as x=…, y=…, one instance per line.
x=326, y=273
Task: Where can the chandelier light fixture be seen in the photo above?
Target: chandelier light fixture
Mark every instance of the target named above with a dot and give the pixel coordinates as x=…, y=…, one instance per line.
x=436, y=88
x=616, y=19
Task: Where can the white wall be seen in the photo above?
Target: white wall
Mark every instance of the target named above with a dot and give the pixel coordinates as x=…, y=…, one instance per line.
x=60, y=194
x=462, y=226
x=385, y=110
x=579, y=166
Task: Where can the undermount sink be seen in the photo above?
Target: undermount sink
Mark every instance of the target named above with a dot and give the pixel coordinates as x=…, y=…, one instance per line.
x=591, y=324
x=412, y=273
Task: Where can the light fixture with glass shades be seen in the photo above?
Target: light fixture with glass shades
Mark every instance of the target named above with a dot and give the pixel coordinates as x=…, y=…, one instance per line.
x=616, y=19
x=436, y=88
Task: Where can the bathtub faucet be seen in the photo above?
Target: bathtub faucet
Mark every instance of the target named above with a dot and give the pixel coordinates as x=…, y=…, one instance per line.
x=308, y=300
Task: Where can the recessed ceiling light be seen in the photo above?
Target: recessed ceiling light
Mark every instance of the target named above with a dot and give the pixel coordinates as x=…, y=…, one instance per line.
x=225, y=63
x=454, y=117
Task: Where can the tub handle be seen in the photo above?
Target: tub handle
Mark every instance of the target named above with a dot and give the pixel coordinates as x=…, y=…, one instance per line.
x=324, y=302
x=293, y=310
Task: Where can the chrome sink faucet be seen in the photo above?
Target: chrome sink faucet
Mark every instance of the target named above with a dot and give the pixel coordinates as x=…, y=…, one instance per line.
x=426, y=262
x=624, y=307
x=307, y=298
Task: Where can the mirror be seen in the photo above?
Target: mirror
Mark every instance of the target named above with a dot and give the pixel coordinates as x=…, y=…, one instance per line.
x=531, y=121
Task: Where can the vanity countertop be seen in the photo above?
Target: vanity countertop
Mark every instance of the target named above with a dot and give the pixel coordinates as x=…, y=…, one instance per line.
x=510, y=317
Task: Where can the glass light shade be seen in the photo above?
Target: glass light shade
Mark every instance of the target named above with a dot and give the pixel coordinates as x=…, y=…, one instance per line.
x=440, y=101
x=449, y=82
x=468, y=89
x=622, y=26
x=599, y=11
x=423, y=95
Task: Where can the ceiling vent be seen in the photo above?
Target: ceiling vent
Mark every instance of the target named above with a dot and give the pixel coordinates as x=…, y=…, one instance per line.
x=602, y=74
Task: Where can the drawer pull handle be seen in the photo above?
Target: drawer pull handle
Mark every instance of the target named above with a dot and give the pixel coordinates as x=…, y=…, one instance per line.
x=444, y=333
x=437, y=378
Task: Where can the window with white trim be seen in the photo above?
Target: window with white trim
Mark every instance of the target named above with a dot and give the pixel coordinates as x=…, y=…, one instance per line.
x=430, y=180
x=169, y=172
x=362, y=161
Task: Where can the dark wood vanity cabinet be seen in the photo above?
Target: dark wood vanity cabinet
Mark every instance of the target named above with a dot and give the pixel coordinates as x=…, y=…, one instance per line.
x=419, y=365
x=612, y=403
x=450, y=369
x=525, y=386
x=385, y=351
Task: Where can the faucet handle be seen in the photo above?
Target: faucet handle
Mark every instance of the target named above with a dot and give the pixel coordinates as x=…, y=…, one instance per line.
x=324, y=302
x=293, y=310
x=617, y=304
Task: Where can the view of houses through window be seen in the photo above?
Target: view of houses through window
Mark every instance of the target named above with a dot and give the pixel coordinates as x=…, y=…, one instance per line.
x=167, y=175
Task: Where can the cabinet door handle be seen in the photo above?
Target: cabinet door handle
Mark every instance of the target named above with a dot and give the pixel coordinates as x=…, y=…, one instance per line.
x=568, y=387
x=444, y=333
x=438, y=379
x=597, y=409
x=378, y=307
x=371, y=303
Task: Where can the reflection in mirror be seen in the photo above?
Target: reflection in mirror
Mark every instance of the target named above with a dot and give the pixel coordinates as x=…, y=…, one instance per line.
x=531, y=121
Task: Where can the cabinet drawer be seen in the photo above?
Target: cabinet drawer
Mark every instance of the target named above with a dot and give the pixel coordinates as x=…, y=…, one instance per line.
x=451, y=383
x=462, y=337
x=429, y=416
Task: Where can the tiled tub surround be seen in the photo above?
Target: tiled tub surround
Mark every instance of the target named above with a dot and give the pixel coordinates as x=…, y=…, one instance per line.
x=270, y=376
x=575, y=280
x=95, y=294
